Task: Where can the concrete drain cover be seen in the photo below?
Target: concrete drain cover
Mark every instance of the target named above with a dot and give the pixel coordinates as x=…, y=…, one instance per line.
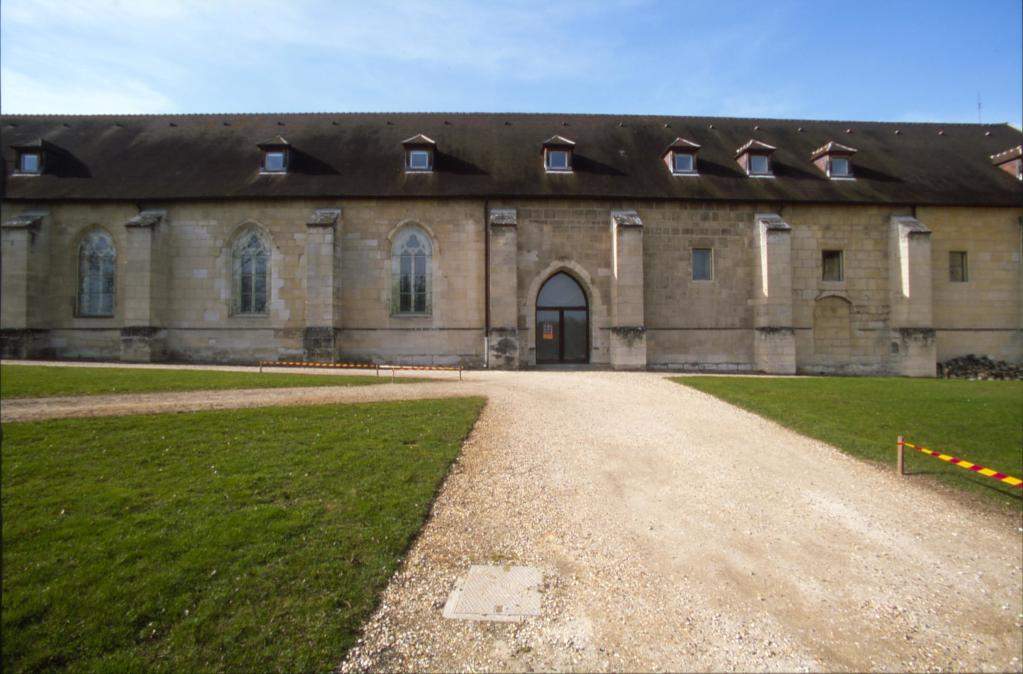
x=502, y=593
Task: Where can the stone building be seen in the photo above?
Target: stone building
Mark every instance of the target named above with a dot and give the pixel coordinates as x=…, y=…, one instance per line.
x=508, y=240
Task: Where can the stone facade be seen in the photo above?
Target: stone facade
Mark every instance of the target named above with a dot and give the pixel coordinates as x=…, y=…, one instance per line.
x=331, y=293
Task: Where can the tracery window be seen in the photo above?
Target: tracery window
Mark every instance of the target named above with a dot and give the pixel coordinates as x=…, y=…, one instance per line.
x=251, y=264
x=410, y=266
x=96, y=262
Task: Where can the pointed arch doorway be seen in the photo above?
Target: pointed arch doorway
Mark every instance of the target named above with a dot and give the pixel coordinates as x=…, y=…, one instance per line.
x=562, y=321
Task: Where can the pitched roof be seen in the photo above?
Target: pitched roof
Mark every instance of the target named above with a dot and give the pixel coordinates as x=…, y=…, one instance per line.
x=558, y=141
x=1007, y=155
x=681, y=143
x=32, y=144
x=831, y=147
x=419, y=139
x=276, y=141
x=163, y=158
x=756, y=146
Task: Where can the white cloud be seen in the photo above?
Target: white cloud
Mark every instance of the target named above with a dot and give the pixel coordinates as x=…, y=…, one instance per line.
x=24, y=94
x=150, y=55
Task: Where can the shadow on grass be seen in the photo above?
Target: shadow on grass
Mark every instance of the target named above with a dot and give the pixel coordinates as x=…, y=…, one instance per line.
x=966, y=479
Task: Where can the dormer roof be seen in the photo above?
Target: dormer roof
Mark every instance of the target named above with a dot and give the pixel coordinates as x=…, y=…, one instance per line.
x=680, y=144
x=831, y=147
x=754, y=145
x=419, y=140
x=274, y=143
x=558, y=141
x=34, y=144
x=1007, y=155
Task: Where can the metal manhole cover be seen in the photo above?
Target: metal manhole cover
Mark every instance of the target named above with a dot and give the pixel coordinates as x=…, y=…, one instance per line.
x=502, y=593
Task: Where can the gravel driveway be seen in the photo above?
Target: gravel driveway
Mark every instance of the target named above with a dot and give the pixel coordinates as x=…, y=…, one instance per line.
x=676, y=532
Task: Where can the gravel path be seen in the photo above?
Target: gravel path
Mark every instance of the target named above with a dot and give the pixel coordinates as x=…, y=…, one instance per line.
x=679, y=533
x=675, y=532
x=33, y=409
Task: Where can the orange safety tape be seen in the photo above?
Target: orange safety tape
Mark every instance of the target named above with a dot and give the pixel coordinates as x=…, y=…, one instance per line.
x=363, y=366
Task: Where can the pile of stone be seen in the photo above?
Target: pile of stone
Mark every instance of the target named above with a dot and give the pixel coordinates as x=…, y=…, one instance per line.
x=978, y=367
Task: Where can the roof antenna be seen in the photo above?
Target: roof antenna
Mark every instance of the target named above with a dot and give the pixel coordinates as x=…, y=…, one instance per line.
x=979, y=119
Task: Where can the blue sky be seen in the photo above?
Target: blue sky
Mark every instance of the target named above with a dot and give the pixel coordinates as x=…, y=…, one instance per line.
x=894, y=60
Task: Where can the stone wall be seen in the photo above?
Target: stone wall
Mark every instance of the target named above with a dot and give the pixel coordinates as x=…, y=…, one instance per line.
x=984, y=315
x=895, y=311
x=181, y=290
x=454, y=330
x=698, y=325
x=573, y=236
x=862, y=234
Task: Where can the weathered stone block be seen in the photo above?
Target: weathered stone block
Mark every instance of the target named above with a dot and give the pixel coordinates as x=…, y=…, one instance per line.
x=320, y=343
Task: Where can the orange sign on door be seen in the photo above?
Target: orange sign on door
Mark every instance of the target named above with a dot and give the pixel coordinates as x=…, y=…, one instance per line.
x=548, y=330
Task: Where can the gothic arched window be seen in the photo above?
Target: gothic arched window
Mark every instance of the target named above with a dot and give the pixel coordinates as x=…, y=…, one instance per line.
x=251, y=264
x=410, y=268
x=96, y=260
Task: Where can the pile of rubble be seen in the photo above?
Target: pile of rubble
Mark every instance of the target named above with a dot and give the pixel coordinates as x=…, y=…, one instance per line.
x=978, y=367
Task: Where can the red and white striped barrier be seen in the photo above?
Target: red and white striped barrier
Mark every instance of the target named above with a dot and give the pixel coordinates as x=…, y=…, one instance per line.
x=962, y=463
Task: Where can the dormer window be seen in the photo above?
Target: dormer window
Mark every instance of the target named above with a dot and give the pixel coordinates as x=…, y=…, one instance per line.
x=683, y=162
x=274, y=161
x=419, y=160
x=31, y=157
x=680, y=157
x=755, y=158
x=276, y=155
x=557, y=154
x=759, y=164
x=1010, y=161
x=30, y=163
x=838, y=167
x=419, y=151
x=557, y=160
x=834, y=159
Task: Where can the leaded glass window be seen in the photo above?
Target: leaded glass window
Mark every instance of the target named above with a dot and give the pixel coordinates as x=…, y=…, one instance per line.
x=251, y=272
x=410, y=264
x=96, y=261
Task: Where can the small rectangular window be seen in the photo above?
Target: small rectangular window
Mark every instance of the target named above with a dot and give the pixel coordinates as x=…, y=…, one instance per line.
x=273, y=161
x=957, y=269
x=557, y=160
x=831, y=265
x=839, y=167
x=419, y=160
x=29, y=162
x=703, y=264
x=683, y=162
x=759, y=164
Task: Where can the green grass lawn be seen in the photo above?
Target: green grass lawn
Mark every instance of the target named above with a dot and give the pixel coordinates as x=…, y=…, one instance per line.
x=981, y=421
x=38, y=381
x=238, y=540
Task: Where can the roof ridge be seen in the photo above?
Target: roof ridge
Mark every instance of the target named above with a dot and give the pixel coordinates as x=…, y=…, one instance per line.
x=578, y=115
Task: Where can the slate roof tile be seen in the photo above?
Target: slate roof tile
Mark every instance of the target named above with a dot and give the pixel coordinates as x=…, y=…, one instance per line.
x=498, y=155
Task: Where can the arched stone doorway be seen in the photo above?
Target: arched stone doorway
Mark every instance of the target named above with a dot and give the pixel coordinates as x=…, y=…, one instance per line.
x=562, y=321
